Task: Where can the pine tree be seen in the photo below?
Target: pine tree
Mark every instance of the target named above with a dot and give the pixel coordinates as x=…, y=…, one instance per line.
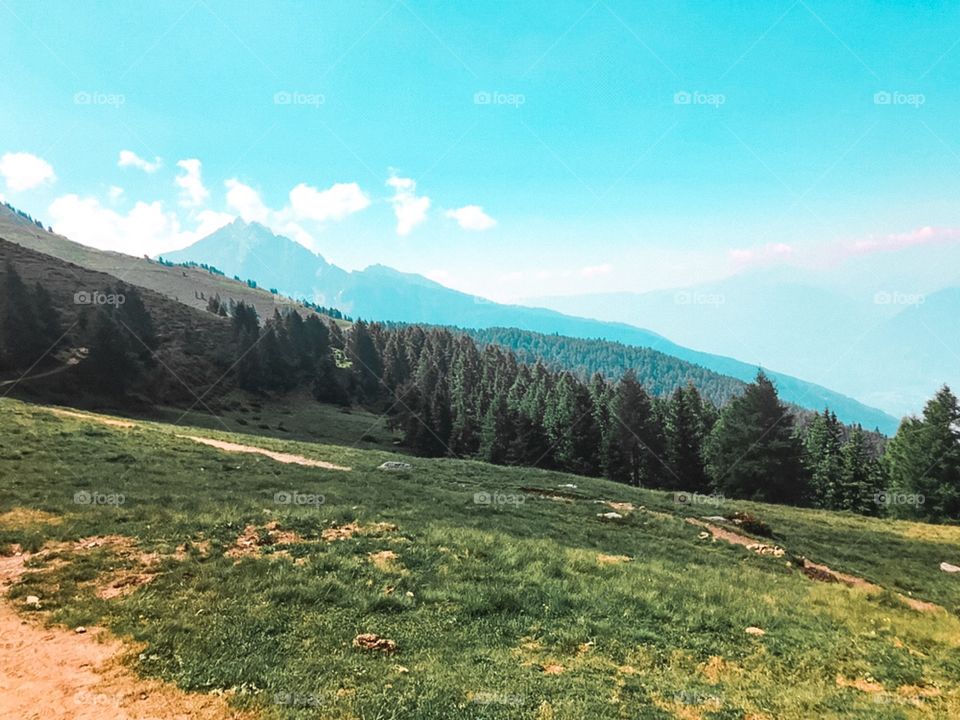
x=21, y=338
x=862, y=482
x=367, y=364
x=822, y=443
x=113, y=366
x=752, y=452
x=633, y=450
x=685, y=439
x=464, y=392
x=923, y=461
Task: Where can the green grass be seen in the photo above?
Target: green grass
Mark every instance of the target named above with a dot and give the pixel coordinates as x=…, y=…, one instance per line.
x=482, y=598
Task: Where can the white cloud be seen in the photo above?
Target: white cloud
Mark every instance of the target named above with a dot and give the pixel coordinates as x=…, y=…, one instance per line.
x=409, y=209
x=115, y=192
x=128, y=158
x=210, y=221
x=472, y=217
x=192, y=191
x=246, y=202
x=23, y=171
x=334, y=203
x=147, y=229
x=306, y=204
x=596, y=270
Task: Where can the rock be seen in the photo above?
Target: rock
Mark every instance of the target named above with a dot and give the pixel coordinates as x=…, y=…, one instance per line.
x=714, y=518
x=395, y=466
x=948, y=568
x=610, y=516
x=704, y=535
x=755, y=631
x=568, y=485
x=80, y=630
x=33, y=601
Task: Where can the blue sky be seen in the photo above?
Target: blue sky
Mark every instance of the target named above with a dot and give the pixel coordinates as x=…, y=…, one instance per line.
x=507, y=149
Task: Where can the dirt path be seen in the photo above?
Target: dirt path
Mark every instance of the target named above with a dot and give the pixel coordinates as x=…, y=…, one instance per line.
x=286, y=458
x=249, y=449
x=102, y=419
x=814, y=570
x=74, y=358
x=56, y=674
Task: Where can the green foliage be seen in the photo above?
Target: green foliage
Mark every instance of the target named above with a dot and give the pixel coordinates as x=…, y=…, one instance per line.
x=753, y=452
x=923, y=462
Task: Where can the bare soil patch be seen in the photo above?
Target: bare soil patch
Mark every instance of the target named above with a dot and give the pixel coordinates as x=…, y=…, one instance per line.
x=57, y=674
x=277, y=456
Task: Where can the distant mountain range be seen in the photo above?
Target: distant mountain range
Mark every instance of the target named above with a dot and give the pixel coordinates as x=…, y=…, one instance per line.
x=888, y=339
x=250, y=250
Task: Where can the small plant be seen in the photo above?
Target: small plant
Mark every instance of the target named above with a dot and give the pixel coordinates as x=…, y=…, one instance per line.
x=752, y=524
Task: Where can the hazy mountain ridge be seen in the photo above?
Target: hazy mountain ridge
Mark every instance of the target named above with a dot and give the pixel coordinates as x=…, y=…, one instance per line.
x=381, y=293
x=887, y=336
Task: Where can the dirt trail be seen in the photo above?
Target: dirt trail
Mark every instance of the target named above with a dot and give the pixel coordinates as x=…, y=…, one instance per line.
x=286, y=458
x=75, y=357
x=56, y=674
x=279, y=457
x=102, y=419
x=814, y=570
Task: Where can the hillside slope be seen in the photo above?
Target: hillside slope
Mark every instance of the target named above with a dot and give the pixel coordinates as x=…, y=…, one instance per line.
x=183, y=284
x=381, y=293
x=458, y=589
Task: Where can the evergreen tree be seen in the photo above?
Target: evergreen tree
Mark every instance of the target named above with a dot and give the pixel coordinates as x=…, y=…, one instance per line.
x=464, y=392
x=113, y=365
x=752, y=452
x=633, y=449
x=862, y=481
x=923, y=461
x=685, y=430
x=367, y=364
x=22, y=342
x=822, y=443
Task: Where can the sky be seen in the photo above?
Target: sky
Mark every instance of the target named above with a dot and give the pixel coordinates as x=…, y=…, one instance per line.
x=506, y=149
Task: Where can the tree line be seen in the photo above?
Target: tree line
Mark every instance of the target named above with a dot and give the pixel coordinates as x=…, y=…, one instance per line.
x=448, y=395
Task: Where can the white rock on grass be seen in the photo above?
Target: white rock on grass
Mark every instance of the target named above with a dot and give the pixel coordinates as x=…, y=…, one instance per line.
x=947, y=567
x=394, y=466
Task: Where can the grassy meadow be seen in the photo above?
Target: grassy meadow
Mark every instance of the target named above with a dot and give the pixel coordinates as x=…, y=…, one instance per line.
x=504, y=591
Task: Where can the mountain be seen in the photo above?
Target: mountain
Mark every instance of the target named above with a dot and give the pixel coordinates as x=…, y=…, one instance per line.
x=872, y=333
x=189, y=285
x=250, y=250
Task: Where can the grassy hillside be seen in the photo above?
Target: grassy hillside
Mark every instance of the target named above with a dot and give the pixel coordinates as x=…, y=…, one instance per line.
x=184, y=284
x=526, y=606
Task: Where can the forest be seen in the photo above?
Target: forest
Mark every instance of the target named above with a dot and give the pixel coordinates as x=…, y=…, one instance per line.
x=450, y=394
